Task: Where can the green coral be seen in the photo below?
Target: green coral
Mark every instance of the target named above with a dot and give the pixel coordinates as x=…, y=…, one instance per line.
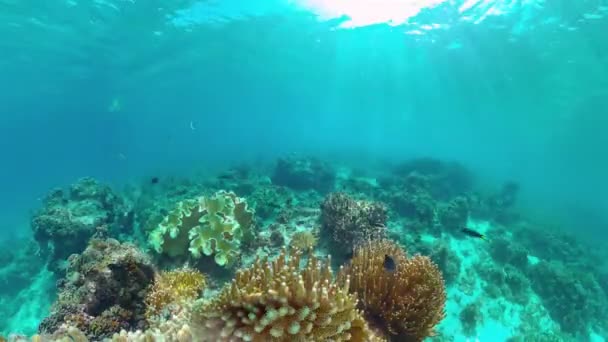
x=214, y=225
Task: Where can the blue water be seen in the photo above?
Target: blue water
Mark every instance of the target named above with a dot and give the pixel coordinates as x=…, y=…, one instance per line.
x=124, y=90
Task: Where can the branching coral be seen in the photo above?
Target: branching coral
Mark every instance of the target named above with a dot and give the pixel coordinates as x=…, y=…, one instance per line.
x=405, y=303
x=278, y=301
x=213, y=225
x=175, y=287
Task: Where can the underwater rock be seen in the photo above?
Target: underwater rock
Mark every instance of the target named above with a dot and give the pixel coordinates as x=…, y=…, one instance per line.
x=103, y=291
x=347, y=222
x=300, y=173
x=66, y=222
x=446, y=179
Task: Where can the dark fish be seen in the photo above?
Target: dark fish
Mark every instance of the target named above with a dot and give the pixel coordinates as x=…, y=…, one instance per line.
x=473, y=233
x=389, y=263
x=154, y=180
x=226, y=176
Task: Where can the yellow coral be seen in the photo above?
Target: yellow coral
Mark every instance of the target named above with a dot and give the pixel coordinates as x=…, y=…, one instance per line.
x=304, y=240
x=407, y=302
x=174, y=287
x=278, y=301
x=213, y=225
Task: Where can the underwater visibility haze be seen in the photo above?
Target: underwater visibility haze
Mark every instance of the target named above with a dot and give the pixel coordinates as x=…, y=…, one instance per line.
x=310, y=170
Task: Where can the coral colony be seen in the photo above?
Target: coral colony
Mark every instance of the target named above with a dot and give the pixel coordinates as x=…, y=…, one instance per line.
x=307, y=252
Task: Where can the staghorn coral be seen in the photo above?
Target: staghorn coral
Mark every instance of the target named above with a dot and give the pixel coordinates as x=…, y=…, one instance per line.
x=176, y=287
x=304, y=240
x=215, y=225
x=407, y=303
x=278, y=301
x=348, y=222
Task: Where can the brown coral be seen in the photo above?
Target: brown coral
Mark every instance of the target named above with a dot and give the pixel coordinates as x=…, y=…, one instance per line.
x=304, y=240
x=278, y=301
x=174, y=287
x=348, y=222
x=405, y=303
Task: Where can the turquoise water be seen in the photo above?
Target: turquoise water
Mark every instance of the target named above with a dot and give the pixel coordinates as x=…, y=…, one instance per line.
x=123, y=91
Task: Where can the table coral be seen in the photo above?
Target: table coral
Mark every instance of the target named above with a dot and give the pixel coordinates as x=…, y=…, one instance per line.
x=214, y=225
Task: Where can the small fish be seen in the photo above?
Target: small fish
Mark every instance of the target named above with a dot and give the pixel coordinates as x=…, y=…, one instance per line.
x=154, y=180
x=226, y=176
x=473, y=233
x=389, y=263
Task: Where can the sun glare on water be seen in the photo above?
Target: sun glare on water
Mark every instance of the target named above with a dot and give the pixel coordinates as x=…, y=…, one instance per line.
x=368, y=12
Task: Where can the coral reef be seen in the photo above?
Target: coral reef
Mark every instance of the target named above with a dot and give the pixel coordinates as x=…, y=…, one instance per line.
x=504, y=251
x=405, y=303
x=445, y=179
x=304, y=240
x=173, y=288
x=302, y=173
x=573, y=298
x=103, y=291
x=554, y=285
x=278, y=301
x=411, y=199
x=500, y=204
x=454, y=214
x=471, y=317
x=347, y=222
x=269, y=200
x=214, y=225
x=447, y=261
x=505, y=282
x=67, y=221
